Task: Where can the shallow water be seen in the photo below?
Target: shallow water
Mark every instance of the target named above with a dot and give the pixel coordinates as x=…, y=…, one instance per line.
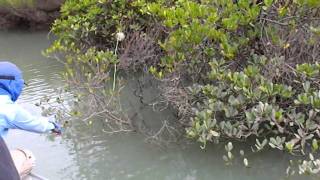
x=86, y=152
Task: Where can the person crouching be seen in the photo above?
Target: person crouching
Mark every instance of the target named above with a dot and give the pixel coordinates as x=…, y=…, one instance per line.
x=13, y=116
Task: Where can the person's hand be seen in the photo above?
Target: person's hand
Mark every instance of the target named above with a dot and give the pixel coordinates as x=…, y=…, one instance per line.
x=57, y=128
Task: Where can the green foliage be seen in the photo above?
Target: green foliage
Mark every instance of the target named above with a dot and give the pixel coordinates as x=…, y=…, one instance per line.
x=86, y=42
x=240, y=69
x=86, y=37
x=248, y=104
x=79, y=25
x=200, y=30
x=240, y=55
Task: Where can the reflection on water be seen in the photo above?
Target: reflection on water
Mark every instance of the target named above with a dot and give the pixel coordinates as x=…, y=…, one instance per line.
x=24, y=49
x=86, y=152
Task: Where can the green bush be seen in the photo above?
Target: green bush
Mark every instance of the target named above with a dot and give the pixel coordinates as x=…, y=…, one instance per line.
x=253, y=67
x=245, y=104
x=94, y=24
x=232, y=69
x=86, y=38
x=200, y=31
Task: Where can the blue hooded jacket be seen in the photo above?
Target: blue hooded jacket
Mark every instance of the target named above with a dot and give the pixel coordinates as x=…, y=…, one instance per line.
x=12, y=116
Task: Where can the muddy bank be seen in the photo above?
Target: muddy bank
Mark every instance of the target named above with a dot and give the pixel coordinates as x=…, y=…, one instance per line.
x=38, y=16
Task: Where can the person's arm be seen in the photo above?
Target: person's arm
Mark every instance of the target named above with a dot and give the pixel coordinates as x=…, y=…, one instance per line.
x=24, y=120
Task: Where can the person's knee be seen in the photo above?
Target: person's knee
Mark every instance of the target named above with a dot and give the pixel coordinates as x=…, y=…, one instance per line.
x=24, y=161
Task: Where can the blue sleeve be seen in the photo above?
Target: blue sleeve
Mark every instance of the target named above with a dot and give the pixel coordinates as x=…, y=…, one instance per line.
x=24, y=120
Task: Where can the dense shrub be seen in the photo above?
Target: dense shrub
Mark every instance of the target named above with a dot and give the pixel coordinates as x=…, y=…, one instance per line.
x=86, y=43
x=232, y=69
x=253, y=65
x=95, y=23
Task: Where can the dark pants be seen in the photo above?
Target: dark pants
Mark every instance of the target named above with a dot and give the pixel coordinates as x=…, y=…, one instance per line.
x=8, y=170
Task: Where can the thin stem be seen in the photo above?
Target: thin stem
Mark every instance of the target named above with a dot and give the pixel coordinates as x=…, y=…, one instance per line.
x=115, y=68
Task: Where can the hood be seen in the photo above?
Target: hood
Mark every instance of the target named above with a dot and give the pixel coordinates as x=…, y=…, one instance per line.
x=11, y=80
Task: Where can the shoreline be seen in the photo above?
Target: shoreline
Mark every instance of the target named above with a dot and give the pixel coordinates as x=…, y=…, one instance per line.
x=39, y=16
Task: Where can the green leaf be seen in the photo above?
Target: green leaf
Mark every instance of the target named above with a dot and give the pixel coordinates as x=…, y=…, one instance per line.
x=315, y=145
x=289, y=146
x=268, y=3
